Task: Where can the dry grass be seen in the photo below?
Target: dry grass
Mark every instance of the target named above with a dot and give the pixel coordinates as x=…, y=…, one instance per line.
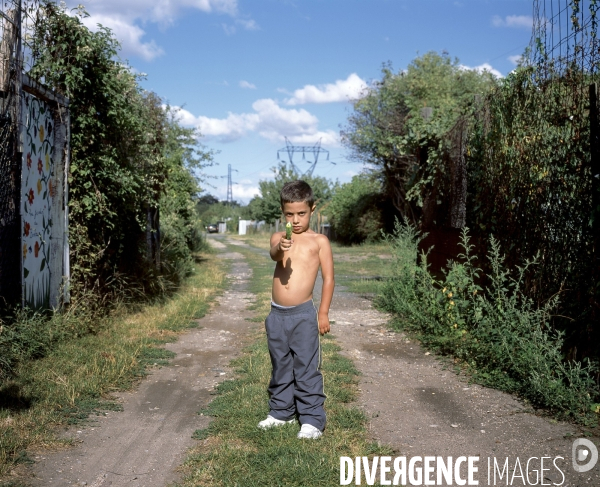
x=78, y=376
x=258, y=240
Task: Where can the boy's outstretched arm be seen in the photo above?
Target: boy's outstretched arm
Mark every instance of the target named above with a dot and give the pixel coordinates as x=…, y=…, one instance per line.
x=326, y=261
x=279, y=245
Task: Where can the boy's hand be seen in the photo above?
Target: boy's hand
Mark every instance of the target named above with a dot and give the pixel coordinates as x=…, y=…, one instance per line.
x=285, y=244
x=324, y=323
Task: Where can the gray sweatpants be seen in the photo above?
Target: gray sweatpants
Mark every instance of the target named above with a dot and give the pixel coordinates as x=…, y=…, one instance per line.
x=296, y=383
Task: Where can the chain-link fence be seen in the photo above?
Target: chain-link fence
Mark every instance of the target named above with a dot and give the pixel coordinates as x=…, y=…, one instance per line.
x=10, y=164
x=533, y=167
x=565, y=37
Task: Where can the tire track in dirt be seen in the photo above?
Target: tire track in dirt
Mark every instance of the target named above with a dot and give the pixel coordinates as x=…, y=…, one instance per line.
x=418, y=407
x=145, y=443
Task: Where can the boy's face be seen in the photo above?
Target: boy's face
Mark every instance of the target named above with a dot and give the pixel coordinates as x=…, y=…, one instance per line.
x=298, y=214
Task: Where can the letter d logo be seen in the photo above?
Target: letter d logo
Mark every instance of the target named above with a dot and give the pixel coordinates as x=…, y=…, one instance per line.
x=581, y=455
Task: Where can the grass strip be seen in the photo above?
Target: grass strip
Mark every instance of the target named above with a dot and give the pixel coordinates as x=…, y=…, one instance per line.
x=76, y=378
x=362, y=269
x=232, y=451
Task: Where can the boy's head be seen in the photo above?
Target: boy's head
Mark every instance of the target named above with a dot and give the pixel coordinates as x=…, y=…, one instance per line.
x=297, y=205
x=297, y=192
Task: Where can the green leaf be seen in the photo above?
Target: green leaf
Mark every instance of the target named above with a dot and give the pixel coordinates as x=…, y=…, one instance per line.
x=43, y=264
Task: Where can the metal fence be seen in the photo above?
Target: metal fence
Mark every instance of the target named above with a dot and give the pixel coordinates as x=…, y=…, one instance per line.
x=565, y=37
x=10, y=165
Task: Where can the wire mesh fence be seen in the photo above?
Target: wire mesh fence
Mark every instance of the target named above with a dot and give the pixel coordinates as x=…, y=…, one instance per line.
x=10, y=180
x=533, y=179
x=565, y=37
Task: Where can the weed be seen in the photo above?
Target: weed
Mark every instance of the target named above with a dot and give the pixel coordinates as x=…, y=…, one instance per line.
x=498, y=333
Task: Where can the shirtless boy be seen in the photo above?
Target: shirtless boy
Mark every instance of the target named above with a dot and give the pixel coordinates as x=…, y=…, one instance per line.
x=293, y=326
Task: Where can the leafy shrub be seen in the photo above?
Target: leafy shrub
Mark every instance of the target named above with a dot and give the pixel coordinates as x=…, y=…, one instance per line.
x=497, y=332
x=30, y=335
x=130, y=158
x=530, y=183
x=267, y=206
x=354, y=210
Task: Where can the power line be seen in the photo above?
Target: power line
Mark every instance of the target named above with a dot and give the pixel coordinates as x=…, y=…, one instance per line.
x=315, y=150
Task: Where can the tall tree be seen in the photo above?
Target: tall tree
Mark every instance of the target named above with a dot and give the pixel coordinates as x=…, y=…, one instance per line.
x=267, y=206
x=128, y=153
x=399, y=126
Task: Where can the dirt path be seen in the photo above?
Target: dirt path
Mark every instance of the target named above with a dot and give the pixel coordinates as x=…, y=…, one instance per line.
x=419, y=409
x=145, y=443
x=414, y=405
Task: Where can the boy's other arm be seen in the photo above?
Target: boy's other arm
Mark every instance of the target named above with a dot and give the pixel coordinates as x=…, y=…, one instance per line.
x=326, y=261
x=279, y=245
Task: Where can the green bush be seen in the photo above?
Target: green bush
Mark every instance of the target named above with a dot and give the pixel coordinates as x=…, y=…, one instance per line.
x=31, y=334
x=130, y=158
x=530, y=183
x=354, y=210
x=503, y=338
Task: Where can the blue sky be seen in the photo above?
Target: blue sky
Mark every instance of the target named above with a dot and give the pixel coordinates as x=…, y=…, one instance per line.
x=249, y=73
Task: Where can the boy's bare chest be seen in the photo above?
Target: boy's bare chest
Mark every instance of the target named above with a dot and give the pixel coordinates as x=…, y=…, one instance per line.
x=305, y=252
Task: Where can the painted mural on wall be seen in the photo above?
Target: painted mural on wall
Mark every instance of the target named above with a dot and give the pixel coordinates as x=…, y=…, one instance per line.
x=38, y=191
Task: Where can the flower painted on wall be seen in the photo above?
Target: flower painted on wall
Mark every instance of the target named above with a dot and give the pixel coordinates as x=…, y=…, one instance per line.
x=40, y=165
x=41, y=133
x=36, y=249
x=26, y=229
x=30, y=196
x=51, y=188
x=47, y=162
x=39, y=186
x=29, y=161
x=24, y=251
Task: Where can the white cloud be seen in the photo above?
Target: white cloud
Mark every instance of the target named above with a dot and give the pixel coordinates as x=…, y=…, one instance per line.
x=129, y=35
x=160, y=11
x=124, y=17
x=242, y=192
x=485, y=67
x=268, y=119
x=515, y=59
x=229, y=29
x=247, y=24
x=247, y=84
x=518, y=21
x=234, y=127
x=342, y=90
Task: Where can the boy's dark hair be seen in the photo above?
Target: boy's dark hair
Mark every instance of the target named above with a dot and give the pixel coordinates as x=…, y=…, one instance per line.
x=297, y=192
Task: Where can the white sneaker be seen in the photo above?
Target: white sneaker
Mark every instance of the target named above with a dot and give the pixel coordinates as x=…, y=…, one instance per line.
x=270, y=422
x=309, y=431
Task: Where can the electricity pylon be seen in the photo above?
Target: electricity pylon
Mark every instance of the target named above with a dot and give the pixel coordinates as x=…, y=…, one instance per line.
x=315, y=150
x=229, y=184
